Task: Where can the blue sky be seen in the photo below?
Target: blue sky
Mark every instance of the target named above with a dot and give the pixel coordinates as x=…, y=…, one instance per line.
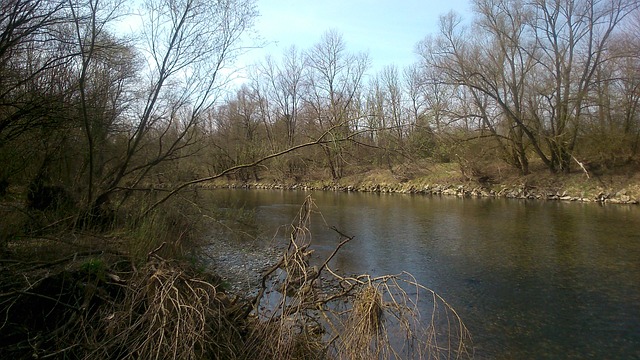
x=387, y=29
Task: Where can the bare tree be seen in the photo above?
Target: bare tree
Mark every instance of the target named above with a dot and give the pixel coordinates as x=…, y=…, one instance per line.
x=573, y=37
x=334, y=78
x=104, y=66
x=278, y=85
x=536, y=62
x=394, y=103
x=29, y=42
x=188, y=44
x=416, y=83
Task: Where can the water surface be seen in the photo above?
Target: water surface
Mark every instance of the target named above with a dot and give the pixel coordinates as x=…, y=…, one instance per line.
x=531, y=279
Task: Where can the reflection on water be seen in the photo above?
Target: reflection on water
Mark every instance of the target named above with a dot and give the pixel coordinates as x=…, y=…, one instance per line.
x=530, y=279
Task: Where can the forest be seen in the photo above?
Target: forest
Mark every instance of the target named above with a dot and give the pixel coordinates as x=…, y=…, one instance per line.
x=102, y=104
x=98, y=115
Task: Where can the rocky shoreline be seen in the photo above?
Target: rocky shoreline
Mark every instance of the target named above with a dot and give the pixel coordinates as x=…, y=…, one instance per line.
x=463, y=191
x=240, y=264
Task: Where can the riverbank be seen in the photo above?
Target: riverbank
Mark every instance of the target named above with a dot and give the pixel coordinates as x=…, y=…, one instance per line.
x=446, y=180
x=241, y=264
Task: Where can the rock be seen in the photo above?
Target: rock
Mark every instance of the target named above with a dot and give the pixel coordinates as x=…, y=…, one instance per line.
x=602, y=196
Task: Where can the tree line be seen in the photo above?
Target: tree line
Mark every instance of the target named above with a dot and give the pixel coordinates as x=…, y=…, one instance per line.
x=100, y=114
x=550, y=83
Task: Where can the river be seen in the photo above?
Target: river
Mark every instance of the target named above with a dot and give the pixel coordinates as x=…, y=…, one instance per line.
x=530, y=279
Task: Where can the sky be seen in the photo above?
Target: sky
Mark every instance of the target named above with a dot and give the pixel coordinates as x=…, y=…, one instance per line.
x=387, y=29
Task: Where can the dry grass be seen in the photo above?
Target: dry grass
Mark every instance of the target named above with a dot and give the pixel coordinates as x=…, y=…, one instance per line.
x=165, y=313
x=94, y=305
x=94, y=310
x=364, y=327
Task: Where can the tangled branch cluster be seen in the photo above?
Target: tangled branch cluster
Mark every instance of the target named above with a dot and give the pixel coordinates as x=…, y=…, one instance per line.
x=314, y=310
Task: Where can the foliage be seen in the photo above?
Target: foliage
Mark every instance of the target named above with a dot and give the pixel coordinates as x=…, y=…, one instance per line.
x=94, y=267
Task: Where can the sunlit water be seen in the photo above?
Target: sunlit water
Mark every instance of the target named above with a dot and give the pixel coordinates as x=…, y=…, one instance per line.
x=531, y=279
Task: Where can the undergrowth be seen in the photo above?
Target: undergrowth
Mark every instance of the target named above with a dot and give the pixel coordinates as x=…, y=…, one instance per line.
x=127, y=294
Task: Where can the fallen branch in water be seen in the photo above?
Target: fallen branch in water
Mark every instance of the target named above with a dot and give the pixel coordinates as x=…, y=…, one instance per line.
x=356, y=317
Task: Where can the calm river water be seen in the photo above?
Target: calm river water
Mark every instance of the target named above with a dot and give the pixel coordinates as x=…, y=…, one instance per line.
x=531, y=279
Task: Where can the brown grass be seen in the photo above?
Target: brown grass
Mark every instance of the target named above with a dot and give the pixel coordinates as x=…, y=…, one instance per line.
x=98, y=304
x=172, y=316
